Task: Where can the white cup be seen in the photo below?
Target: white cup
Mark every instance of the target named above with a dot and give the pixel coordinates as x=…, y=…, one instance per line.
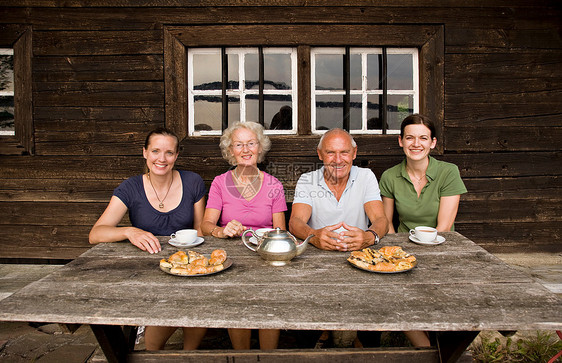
x=260, y=232
x=424, y=234
x=185, y=235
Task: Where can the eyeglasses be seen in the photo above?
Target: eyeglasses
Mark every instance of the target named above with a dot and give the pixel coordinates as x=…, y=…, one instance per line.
x=250, y=145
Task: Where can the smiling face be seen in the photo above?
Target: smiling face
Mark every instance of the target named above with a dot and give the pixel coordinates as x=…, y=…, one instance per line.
x=338, y=154
x=417, y=142
x=245, y=147
x=161, y=154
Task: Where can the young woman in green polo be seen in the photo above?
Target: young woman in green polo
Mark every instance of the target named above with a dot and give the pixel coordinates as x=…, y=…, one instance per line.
x=424, y=191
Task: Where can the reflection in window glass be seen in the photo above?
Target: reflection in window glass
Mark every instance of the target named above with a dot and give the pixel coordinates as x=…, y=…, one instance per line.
x=399, y=107
x=329, y=112
x=251, y=70
x=374, y=69
x=355, y=111
x=365, y=88
x=278, y=112
x=207, y=72
x=233, y=110
x=355, y=79
x=208, y=113
x=7, y=126
x=374, y=121
x=277, y=71
x=329, y=71
x=400, y=71
x=243, y=91
x=232, y=71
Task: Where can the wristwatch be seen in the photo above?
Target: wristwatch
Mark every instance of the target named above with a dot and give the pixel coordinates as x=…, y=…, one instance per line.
x=377, y=238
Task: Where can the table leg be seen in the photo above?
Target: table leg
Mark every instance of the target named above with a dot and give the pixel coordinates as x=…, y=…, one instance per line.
x=114, y=341
x=452, y=344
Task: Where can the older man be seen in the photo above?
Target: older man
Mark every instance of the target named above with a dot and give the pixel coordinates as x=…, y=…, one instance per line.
x=339, y=203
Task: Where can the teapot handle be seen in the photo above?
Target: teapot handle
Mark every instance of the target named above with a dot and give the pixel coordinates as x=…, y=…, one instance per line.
x=244, y=238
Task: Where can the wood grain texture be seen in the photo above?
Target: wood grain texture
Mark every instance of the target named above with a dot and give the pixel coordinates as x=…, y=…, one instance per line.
x=456, y=286
x=100, y=79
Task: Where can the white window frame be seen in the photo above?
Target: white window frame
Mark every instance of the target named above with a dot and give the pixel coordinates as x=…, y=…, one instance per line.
x=364, y=92
x=242, y=92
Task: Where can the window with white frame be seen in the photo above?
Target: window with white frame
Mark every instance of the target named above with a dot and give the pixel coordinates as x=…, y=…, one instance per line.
x=226, y=85
x=363, y=90
x=7, y=92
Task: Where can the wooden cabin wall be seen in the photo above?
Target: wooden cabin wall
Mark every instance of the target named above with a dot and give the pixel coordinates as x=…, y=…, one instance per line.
x=98, y=88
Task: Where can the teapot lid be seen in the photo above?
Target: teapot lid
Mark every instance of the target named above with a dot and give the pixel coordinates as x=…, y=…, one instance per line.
x=277, y=232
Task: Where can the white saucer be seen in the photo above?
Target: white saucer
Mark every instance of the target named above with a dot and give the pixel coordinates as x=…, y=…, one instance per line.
x=440, y=239
x=197, y=242
x=253, y=240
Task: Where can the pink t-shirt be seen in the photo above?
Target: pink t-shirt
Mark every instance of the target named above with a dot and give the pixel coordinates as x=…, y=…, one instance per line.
x=255, y=213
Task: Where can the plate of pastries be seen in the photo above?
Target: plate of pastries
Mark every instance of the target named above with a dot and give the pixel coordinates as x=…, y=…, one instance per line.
x=387, y=259
x=193, y=263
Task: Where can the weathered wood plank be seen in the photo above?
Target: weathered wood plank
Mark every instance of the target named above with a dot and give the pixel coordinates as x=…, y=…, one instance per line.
x=96, y=118
x=469, y=303
x=483, y=139
x=504, y=236
x=105, y=94
x=98, y=68
x=107, y=42
x=406, y=355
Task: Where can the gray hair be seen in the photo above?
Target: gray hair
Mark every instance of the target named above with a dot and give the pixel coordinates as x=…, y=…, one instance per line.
x=331, y=131
x=226, y=140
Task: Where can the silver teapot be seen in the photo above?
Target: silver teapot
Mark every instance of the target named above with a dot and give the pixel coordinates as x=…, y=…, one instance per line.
x=276, y=246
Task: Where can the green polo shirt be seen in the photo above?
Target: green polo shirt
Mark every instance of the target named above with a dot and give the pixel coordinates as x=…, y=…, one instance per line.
x=443, y=180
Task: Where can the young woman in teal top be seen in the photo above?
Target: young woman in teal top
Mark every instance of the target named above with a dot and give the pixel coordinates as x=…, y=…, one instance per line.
x=424, y=191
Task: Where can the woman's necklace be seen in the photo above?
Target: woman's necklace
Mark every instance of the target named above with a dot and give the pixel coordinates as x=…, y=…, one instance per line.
x=417, y=180
x=248, y=189
x=247, y=183
x=161, y=205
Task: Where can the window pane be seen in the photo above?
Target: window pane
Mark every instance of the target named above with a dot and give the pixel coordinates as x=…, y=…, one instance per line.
x=277, y=71
x=373, y=71
x=207, y=113
x=233, y=71
x=207, y=74
x=7, y=93
x=252, y=70
x=329, y=71
x=278, y=112
x=373, y=112
x=355, y=121
x=355, y=71
x=7, y=115
x=252, y=108
x=399, y=107
x=329, y=112
x=233, y=110
x=400, y=71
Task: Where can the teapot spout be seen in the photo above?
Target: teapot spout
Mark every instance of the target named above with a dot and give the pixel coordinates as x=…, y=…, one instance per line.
x=302, y=246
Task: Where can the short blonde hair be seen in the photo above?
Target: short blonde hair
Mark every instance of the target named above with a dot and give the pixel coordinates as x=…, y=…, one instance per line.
x=257, y=129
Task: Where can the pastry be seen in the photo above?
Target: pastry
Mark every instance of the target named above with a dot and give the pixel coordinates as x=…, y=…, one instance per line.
x=386, y=259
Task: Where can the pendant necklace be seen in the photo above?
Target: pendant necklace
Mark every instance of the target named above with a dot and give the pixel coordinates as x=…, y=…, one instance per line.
x=419, y=180
x=248, y=183
x=161, y=205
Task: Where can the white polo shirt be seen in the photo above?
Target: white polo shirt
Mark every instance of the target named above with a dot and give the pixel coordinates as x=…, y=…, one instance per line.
x=362, y=187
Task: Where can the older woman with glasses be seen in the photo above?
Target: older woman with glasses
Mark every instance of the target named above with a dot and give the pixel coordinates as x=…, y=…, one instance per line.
x=245, y=197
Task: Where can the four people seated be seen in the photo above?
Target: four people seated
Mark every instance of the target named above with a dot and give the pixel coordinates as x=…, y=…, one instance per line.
x=339, y=203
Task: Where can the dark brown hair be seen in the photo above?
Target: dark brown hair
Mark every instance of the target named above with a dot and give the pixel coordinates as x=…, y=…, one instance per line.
x=417, y=119
x=162, y=131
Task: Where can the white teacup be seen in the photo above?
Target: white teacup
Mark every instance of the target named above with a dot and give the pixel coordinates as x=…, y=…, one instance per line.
x=260, y=232
x=424, y=234
x=185, y=235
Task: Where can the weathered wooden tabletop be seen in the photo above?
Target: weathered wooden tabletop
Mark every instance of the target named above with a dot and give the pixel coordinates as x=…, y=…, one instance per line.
x=456, y=286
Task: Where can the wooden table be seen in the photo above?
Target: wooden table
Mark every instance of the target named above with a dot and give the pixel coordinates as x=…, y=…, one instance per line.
x=457, y=289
